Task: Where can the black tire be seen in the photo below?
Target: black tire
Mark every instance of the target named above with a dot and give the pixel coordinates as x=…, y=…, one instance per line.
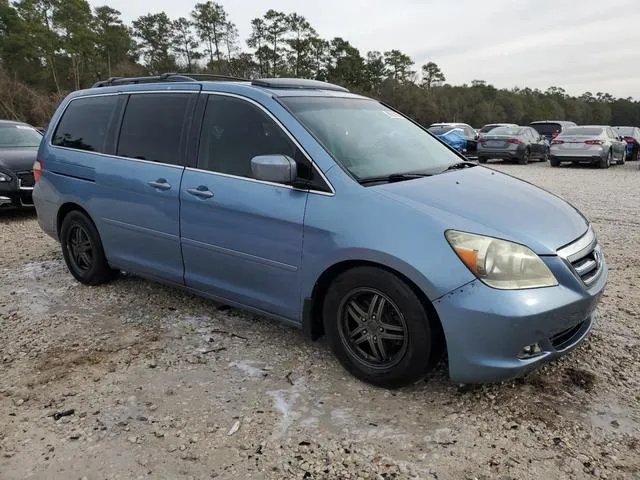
x=545, y=155
x=524, y=159
x=554, y=162
x=606, y=162
x=636, y=155
x=623, y=159
x=399, y=362
x=482, y=159
x=82, y=250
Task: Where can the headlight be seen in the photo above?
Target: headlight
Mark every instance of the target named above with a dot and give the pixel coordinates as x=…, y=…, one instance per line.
x=4, y=178
x=499, y=263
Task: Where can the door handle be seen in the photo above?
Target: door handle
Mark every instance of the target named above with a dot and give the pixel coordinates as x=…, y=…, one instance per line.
x=201, y=191
x=160, y=184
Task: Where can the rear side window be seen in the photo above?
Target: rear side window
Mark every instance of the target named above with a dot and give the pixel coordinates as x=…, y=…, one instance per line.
x=547, y=128
x=84, y=124
x=153, y=127
x=577, y=131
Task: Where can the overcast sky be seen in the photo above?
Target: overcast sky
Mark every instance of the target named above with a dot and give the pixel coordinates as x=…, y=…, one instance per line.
x=580, y=45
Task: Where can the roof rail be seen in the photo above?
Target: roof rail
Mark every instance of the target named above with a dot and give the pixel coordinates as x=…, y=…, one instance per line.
x=300, y=83
x=165, y=77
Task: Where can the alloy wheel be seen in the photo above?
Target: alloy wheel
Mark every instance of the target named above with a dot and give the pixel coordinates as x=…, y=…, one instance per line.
x=372, y=328
x=80, y=248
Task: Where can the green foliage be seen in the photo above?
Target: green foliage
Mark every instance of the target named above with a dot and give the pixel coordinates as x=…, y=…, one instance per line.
x=155, y=32
x=48, y=47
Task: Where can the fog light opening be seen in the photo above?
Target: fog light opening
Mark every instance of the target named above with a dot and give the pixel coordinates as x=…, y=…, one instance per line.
x=530, y=351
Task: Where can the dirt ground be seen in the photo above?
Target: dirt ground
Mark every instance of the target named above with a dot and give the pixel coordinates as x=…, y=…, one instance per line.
x=135, y=380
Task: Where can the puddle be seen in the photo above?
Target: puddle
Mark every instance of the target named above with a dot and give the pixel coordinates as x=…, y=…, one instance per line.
x=614, y=418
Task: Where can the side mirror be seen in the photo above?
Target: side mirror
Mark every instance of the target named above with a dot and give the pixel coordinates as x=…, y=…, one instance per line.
x=274, y=168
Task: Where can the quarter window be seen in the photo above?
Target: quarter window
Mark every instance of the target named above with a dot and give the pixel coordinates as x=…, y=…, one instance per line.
x=85, y=122
x=154, y=126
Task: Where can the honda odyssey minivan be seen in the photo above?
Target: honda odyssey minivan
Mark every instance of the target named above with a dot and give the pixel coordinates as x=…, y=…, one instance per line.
x=300, y=201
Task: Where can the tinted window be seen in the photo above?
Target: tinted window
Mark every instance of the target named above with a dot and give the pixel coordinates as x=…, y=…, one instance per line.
x=547, y=128
x=509, y=131
x=574, y=131
x=84, y=123
x=153, y=126
x=233, y=132
x=19, y=136
x=441, y=129
x=488, y=128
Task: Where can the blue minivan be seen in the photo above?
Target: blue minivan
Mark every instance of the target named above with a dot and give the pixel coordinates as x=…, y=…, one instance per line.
x=329, y=211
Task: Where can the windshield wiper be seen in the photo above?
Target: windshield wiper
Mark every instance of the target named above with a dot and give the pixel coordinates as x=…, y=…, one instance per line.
x=394, y=177
x=458, y=166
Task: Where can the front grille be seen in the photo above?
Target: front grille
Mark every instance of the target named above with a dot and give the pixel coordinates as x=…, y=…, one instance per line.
x=566, y=337
x=584, y=257
x=26, y=179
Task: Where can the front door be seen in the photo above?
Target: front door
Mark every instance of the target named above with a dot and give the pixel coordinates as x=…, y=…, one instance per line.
x=241, y=238
x=140, y=185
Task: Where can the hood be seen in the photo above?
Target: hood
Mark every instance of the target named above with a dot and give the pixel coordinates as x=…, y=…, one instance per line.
x=483, y=201
x=18, y=159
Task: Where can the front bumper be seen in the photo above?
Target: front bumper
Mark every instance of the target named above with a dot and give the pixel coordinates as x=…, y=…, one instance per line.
x=14, y=195
x=486, y=329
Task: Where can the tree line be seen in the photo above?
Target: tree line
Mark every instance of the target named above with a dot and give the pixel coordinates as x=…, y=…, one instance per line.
x=50, y=47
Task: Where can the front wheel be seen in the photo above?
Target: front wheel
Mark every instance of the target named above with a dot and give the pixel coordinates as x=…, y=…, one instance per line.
x=378, y=328
x=82, y=250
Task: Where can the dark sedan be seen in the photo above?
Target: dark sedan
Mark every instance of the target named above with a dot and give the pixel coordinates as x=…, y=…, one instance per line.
x=19, y=144
x=631, y=136
x=512, y=143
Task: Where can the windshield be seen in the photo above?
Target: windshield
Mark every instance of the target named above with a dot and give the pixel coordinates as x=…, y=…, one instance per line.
x=509, y=131
x=624, y=131
x=19, y=136
x=547, y=128
x=579, y=131
x=369, y=139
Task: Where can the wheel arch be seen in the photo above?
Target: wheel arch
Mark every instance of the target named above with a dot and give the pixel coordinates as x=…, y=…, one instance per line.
x=312, y=324
x=67, y=208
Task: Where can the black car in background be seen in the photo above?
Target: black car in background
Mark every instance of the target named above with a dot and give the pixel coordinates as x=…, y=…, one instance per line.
x=19, y=144
x=521, y=144
x=550, y=129
x=631, y=135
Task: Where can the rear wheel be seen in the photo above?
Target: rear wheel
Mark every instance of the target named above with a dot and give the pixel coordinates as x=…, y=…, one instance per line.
x=606, y=162
x=623, y=159
x=377, y=327
x=554, y=162
x=482, y=159
x=82, y=250
x=636, y=155
x=545, y=156
x=524, y=159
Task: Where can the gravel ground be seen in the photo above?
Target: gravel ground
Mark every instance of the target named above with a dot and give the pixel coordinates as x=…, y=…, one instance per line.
x=135, y=380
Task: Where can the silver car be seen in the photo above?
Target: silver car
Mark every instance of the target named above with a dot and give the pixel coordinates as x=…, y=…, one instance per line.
x=595, y=144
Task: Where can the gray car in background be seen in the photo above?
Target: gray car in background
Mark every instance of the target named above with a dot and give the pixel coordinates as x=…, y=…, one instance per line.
x=595, y=144
x=512, y=143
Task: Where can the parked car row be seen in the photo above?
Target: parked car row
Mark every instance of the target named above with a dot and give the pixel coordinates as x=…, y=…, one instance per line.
x=556, y=141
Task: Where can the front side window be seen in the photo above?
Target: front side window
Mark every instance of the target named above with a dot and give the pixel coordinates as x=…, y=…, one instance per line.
x=85, y=122
x=368, y=139
x=19, y=136
x=234, y=131
x=153, y=127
